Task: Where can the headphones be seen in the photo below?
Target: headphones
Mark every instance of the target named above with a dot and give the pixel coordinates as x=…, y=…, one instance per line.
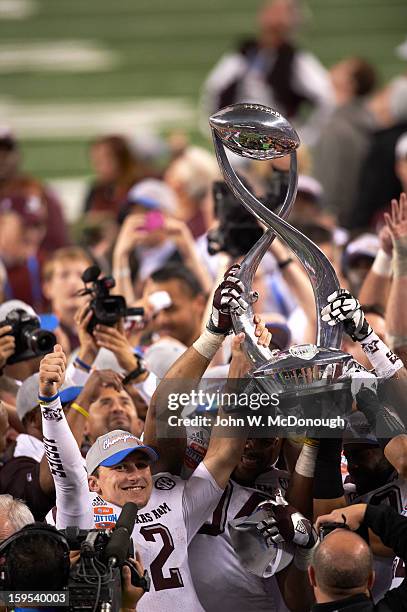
x=32, y=529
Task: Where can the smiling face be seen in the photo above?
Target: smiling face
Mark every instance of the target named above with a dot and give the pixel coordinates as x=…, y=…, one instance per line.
x=112, y=410
x=258, y=455
x=128, y=481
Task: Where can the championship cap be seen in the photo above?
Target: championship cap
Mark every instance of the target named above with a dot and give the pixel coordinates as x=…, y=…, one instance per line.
x=113, y=447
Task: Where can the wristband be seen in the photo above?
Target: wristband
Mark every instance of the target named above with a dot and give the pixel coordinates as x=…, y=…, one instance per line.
x=81, y=364
x=306, y=461
x=135, y=373
x=382, y=264
x=46, y=400
x=385, y=362
x=79, y=409
x=208, y=344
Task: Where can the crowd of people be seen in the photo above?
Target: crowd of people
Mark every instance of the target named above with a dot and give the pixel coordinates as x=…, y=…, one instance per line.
x=99, y=320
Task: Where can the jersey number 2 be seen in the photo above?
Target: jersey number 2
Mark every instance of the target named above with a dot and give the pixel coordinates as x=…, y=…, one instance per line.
x=174, y=580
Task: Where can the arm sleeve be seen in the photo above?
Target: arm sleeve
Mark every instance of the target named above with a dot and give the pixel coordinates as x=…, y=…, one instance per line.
x=67, y=468
x=200, y=498
x=76, y=376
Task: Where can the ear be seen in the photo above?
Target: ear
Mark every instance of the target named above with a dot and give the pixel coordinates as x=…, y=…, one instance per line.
x=311, y=576
x=200, y=301
x=371, y=580
x=93, y=483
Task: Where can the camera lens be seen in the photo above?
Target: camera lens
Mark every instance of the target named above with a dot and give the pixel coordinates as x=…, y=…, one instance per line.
x=41, y=341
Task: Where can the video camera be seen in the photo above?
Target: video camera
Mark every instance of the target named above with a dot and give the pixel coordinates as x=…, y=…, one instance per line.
x=238, y=230
x=31, y=340
x=107, y=309
x=94, y=582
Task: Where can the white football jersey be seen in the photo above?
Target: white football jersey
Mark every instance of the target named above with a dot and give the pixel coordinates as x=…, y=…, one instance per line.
x=389, y=570
x=163, y=530
x=221, y=581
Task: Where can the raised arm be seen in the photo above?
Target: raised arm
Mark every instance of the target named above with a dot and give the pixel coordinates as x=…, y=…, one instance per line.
x=63, y=454
x=187, y=371
x=376, y=286
x=227, y=443
x=396, y=317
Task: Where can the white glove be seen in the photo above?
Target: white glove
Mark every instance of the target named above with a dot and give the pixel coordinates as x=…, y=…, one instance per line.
x=343, y=307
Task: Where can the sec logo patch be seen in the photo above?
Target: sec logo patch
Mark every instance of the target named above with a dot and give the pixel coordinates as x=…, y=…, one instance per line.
x=164, y=483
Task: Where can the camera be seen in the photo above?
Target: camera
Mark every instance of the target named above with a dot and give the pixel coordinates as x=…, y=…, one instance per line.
x=238, y=230
x=327, y=528
x=38, y=558
x=107, y=309
x=31, y=340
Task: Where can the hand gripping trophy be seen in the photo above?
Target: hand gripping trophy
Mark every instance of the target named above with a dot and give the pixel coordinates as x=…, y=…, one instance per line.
x=258, y=132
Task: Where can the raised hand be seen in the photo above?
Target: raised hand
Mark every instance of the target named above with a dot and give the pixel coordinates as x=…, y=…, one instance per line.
x=227, y=299
x=52, y=372
x=344, y=307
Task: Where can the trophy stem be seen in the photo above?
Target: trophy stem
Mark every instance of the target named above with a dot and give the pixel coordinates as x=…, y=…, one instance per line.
x=319, y=269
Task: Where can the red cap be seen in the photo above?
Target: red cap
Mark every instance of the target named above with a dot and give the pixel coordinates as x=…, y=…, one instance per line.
x=31, y=209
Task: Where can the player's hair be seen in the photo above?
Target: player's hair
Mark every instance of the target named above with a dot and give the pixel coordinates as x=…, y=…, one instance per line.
x=15, y=511
x=181, y=273
x=73, y=253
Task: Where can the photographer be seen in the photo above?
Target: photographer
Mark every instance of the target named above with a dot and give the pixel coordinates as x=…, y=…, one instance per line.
x=341, y=572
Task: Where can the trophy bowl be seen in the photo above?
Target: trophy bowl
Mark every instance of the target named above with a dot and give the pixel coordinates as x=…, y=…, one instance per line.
x=254, y=131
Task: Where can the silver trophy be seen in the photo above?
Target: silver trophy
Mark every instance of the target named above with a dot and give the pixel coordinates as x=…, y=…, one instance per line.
x=258, y=132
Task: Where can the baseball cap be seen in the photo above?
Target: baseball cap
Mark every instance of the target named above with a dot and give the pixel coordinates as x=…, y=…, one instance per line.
x=30, y=209
x=68, y=394
x=27, y=396
x=153, y=194
x=309, y=186
x=113, y=447
x=161, y=355
x=401, y=147
x=365, y=245
x=47, y=321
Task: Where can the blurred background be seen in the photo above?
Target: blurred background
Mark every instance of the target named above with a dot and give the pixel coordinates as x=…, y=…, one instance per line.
x=72, y=70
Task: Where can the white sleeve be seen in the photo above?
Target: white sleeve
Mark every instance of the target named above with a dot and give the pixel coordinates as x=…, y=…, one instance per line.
x=76, y=376
x=200, y=497
x=67, y=468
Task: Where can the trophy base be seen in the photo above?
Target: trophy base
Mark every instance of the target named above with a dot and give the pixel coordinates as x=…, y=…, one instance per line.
x=304, y=370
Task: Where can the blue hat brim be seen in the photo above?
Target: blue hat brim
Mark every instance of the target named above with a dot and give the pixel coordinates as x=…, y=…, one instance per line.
x=69, y=394
x=120, y=455
x=48, y=321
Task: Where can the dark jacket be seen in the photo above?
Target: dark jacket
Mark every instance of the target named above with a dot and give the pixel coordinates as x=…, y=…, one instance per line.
x=391, y=528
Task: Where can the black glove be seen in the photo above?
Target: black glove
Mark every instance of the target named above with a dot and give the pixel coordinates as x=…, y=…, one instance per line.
x=343, y=307
x=227, y=299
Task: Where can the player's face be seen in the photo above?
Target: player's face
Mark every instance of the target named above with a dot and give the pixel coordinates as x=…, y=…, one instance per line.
x=367, y=466
x=128, y=481
x=258, y=455
x=112, y=410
